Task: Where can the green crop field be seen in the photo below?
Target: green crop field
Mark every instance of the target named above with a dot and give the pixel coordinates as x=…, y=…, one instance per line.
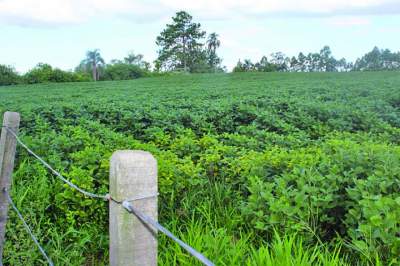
x=254, y=168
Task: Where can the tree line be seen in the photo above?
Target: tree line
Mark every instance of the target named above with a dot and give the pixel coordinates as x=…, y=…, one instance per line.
x=185, y=47
x=91, y=68
x=324, y=61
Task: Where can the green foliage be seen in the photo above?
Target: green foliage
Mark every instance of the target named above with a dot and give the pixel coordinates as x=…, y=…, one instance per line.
x=378, y=59
x=213, y=60
x=8, y=76
x=137, y=59
x=122, y=71
x=93, y=64
x=313, y=62
x=44, y=73
x=343, y=187
x=179, y=43
x=181, y=47
x=254, y=168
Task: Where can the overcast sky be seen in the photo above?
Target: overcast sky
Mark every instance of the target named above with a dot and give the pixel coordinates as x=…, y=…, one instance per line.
x=59, y=32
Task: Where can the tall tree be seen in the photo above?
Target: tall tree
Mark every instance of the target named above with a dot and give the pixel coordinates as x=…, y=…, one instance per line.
x=294, y=64
x=136, y=59
x=239, y=67
x=248, y=65
x=280, y=61
x=378, y=59
x=180, y=43
x=212, y=45
x=302, y=61
x=327, y=62
x=133, y=59
x=342, y=65
x=93, y=62
x=8, y=75
x=264, y=65
x=313, y=62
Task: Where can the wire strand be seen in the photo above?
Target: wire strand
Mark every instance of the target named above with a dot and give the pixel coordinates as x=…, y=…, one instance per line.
x=28, y=229
x=143, y=197
x=69, y=183
x=148, y=220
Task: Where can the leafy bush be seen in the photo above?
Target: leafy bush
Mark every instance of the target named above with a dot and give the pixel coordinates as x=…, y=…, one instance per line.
x=341, y=187
x=43, y=73
x=8, y=76
x=122, y=71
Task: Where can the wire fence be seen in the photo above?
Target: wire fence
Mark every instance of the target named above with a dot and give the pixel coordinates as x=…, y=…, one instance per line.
x=89, y=194
x=125, y=204
x=28, y=229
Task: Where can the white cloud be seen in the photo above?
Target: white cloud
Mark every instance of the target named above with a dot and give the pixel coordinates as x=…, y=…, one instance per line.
x=55, y=12
x=348, y=21
x=27, y=11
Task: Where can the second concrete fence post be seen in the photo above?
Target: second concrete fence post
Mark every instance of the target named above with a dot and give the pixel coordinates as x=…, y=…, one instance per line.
x=8, y=146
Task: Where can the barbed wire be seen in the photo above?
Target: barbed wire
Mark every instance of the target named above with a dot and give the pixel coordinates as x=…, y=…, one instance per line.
x=125, y=203
x=28, y=229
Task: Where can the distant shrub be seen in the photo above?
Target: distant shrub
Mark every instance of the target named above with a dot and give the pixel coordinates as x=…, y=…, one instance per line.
x=123, y=71
x=8, y=75
x=41, y=73
x=45, y=73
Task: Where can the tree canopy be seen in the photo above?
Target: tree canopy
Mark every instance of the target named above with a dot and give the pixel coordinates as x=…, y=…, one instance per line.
x=378, y=59
x=323, y=61
x=181, y=46
x=92, y=63
x=8, y=75
x=136, y=59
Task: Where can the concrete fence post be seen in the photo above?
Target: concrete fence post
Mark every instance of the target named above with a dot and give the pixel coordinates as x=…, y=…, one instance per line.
x=8, y=145
x=133, y=174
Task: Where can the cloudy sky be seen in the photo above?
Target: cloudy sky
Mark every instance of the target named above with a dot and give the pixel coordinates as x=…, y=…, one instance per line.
x=59, y=32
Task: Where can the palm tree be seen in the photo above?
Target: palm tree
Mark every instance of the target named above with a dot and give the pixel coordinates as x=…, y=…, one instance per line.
x=212, y=44
x=93, y=61
x=134, y=59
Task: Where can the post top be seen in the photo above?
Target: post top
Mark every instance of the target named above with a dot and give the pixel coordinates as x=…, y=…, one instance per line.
x=11, y=119
x=133, y=155
x=11, y=113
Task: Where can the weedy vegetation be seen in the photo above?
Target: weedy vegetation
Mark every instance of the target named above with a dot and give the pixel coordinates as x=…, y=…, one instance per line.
x=254, y=168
